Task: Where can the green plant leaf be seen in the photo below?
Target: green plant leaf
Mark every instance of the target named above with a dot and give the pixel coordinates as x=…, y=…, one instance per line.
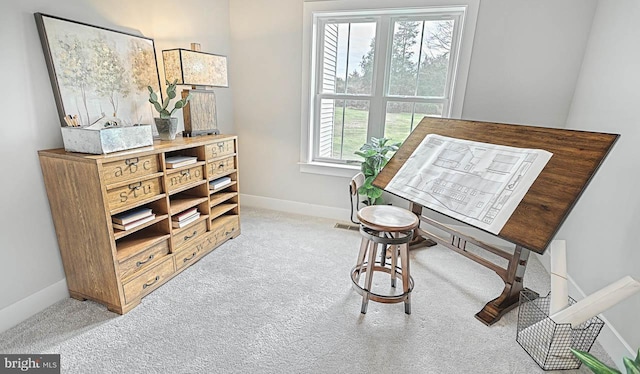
x=593, y=363
x=631, y=366
x=637, y=360
x=375, y=154
x=375, y=193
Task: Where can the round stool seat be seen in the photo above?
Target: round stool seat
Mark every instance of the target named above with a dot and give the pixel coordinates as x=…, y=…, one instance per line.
x=388, y=218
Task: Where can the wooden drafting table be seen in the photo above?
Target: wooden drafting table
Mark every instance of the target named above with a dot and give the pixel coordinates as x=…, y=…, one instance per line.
x=576, y=157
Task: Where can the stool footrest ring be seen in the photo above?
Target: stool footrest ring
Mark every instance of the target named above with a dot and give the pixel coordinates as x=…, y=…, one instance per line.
x=355, y=272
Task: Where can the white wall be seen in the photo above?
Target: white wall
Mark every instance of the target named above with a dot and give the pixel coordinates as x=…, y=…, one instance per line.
x=602, y=241
x=29, y=257
x=267, y=67
x=526, y=59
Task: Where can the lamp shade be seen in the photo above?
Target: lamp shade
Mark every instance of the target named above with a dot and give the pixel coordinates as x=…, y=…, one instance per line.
x=195, y=68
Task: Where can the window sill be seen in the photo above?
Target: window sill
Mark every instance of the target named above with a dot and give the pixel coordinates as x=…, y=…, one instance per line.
x=325, y=168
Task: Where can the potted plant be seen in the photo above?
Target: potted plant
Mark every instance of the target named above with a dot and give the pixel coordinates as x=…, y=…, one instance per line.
x=596, y=366
x=166, y=124
x=376, y=154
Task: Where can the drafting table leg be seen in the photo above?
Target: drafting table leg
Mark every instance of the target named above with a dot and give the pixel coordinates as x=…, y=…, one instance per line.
x=419, y=241
x=510, y=297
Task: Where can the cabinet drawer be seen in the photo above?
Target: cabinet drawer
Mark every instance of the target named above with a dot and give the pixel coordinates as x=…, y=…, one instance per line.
x=130, y=168
x=221, y=148
x=144, y=259
x=192, y=253
x=187, y=257
x=184, y=177
x=224, y=228
x=221, y=167
x=189, y=235
x=148, y=280
x=131, y=193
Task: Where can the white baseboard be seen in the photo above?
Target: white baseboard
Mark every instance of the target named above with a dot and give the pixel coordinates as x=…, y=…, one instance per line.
x=295, y=207
x=609, y=338
x=30, y=305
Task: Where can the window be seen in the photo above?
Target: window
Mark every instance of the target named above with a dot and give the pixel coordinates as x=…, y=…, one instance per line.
x=378, y=73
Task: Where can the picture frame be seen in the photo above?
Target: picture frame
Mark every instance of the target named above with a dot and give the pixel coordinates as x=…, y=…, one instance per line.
x=98, y=75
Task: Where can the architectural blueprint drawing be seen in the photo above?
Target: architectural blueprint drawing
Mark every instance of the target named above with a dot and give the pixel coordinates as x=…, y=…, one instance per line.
x=477, y=183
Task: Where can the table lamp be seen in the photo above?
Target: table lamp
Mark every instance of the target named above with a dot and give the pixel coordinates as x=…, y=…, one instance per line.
x=201, y=71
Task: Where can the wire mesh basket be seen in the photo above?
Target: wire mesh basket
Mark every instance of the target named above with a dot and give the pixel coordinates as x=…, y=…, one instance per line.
x=548, y=343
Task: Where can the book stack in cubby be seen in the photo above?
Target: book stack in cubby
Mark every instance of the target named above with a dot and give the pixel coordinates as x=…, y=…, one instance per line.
x=132, y=218
x=179, y=161
x=219, y=183
x=185, y=218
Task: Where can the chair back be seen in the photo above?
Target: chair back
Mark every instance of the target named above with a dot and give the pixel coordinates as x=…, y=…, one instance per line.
x=356, y=182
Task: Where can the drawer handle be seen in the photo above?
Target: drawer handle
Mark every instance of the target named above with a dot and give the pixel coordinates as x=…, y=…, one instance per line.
x=135, y=186
x=190, y=257
x=157, y=278
x=220, y=166
x=140, y=263
x=187, y=237
x=184, y=173
x=131, y=161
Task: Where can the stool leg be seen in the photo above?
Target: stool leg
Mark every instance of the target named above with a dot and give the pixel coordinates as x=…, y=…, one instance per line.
x=404, y=258
x=394, y=262
x=373, y=247
x=383, y=253
x=361, y=255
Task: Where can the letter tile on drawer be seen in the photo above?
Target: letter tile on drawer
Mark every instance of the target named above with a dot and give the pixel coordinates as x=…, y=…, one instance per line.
x=220, y=149
x=184, y=177
x=224, y=227
x=188, y=235
x=130, y=168
x=192, y=252
x=131, y=193
x=143, y=259
x=220, y=167
x=148, y=280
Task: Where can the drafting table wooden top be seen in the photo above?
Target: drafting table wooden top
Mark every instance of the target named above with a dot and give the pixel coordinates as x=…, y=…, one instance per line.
x=576, y=158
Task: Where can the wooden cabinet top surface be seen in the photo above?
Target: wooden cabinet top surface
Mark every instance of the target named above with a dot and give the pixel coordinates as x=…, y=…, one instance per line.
x=157, y=147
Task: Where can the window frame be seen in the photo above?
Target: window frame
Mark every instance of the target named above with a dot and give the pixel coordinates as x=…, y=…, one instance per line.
x=317, y=13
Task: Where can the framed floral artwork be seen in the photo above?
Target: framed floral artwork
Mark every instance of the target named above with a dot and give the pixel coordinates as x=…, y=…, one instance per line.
x=98, y=74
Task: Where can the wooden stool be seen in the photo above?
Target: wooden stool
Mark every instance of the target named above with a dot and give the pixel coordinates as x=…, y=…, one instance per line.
x=391, y=227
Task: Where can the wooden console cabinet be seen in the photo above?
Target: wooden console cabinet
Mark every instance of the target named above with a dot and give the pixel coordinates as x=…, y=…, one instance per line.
x=118, y=268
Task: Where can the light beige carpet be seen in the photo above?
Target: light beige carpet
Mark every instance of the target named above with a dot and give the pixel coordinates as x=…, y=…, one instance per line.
x=278, y=299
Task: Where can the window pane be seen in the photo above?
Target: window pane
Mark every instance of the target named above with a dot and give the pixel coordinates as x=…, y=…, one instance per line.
x=434, y=58
x=343, y=128
x=348, y=53
x=361, y=54
x=405, y=51
x=402, y=118
x=330, y=68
